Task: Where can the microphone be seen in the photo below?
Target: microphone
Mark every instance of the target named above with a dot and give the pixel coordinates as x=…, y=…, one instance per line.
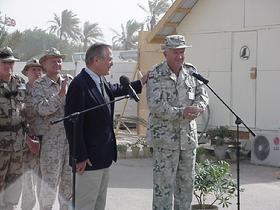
x=200, y=78
x=131, y=92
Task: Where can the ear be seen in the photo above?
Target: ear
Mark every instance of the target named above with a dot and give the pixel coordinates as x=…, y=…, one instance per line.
x=93, y=60
x=96, y=59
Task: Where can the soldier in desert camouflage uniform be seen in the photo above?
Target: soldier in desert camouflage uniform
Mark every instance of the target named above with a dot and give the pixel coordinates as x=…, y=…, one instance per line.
x=12, y=130
x=175, y=99
x=32, y=70
x=49, y=99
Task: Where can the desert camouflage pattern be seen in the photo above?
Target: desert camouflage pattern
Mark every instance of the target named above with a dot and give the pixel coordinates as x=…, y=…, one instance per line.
x=54, y=154
x=31, y=175
x=167, y=165
x=12, y=135
x=167, y=97
x=10, y=182
x=30, y=180
x=174, y=42
x=12, y=123
x=173, y=137
x=30, y=114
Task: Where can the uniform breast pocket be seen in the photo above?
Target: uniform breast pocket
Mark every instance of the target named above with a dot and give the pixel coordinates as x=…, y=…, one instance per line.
x=168, y=92
x=4, y=107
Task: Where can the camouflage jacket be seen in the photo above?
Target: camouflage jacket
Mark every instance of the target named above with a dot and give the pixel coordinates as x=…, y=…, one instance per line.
x=29, y=112
x=167, y=97
x=12, y=122
x=49, y=105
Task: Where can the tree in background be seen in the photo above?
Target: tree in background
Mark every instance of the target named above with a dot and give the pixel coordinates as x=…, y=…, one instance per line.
x=3, y=36
x=13, y=40
x=34, y=42
x=91, y=33
x=154, y=10
x=66, y=26
x=127, y=39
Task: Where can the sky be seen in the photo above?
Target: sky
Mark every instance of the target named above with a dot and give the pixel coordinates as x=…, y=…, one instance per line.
x=108, y=13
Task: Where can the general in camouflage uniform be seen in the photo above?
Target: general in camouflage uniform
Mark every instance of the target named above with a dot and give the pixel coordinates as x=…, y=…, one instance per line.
x=12, y=130
x=49, y=99
x=31, y=176
x=175, y=99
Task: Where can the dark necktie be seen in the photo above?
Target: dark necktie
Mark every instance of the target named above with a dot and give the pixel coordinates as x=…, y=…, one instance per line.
x=102, y=87
x=105, y=96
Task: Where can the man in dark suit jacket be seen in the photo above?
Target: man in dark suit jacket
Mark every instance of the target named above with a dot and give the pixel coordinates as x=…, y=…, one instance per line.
x=95, y=140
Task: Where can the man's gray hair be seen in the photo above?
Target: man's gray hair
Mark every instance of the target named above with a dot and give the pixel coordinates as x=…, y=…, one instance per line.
x=96, y=50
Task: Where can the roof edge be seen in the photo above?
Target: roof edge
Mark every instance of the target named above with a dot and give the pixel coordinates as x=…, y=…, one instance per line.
x=154, y=36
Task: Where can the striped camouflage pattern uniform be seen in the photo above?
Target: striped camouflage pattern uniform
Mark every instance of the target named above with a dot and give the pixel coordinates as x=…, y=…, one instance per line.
x=174, y=139
x=12, y=136
x=54, y=154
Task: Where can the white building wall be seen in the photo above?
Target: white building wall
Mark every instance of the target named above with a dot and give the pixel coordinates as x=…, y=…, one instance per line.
x=268, y=86
x=210, y=28
x=214, y=15
x=262, y=13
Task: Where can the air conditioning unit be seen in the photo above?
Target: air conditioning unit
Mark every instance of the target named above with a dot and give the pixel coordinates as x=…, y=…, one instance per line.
x=265, y=148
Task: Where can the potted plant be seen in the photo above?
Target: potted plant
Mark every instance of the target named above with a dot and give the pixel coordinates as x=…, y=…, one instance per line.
x=146, y=149
x=122, y=149
x=244, y=151
x=135, y=148
x=220, y=138
x=213, y=180
x=200, y=154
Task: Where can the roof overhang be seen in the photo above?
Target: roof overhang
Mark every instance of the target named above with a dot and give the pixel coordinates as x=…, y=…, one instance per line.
x=169, y=22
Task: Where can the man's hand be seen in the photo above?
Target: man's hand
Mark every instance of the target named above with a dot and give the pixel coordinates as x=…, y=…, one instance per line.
x=192, y=112
x=144, y=78
x=63, y=87
x=80, y=167
x=33, y=145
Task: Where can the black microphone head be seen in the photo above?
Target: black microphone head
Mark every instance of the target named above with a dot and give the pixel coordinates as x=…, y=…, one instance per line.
x=124, y=80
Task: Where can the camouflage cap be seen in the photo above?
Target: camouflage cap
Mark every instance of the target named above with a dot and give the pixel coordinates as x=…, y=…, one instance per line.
x=6, y=54
x=31, y=63
x=174, y=42
x=52, y=52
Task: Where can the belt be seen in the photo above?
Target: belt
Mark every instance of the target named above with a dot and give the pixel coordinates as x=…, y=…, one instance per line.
x=12, y=128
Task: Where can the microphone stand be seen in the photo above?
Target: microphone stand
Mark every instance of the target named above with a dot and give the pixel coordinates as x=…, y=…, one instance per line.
x=74, y=117
x=238, y=121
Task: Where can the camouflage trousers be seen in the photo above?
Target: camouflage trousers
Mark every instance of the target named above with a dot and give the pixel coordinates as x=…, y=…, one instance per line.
x=56, y=173
x=10, y=182
x=173, y=177
x=30, y=179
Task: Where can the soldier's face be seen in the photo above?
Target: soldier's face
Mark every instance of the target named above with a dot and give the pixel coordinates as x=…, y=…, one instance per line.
x=34, y=73
x=175, y=57
x=6, y=68
x=52, y=65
